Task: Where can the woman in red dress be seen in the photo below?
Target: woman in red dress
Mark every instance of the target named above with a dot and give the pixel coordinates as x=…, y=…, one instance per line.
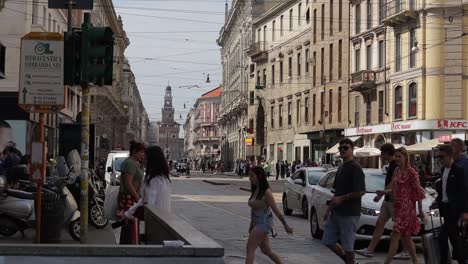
x=405, y=191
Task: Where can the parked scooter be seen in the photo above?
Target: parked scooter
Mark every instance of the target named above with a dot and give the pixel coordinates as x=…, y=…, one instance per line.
x=17, y=207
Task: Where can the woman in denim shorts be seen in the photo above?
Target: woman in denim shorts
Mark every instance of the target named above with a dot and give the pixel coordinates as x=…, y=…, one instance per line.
x=262, y=203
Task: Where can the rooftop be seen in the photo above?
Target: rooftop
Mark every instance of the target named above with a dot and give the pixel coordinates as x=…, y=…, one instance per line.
x=213, y=93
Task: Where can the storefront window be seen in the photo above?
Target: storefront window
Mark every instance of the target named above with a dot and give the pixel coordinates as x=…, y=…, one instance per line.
x=272, y=152
x=280, y=152
x=412, y=100
x=398, y=102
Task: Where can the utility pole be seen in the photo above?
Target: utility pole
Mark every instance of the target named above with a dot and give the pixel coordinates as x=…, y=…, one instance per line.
x=322, y=136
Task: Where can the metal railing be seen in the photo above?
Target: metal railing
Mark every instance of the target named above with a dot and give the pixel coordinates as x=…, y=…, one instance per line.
x=258, y=47
x=363, y=76
x=397, y=6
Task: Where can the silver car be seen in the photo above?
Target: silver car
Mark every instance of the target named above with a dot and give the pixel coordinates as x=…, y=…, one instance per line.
x=298, y=189
x=375, y=180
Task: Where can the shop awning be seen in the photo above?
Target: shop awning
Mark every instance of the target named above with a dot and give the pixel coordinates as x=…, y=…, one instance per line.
x=334, y=149
x=424, y=146
x=367, y=152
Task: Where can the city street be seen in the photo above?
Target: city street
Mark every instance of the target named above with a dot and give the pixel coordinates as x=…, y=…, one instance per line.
x=221, y=212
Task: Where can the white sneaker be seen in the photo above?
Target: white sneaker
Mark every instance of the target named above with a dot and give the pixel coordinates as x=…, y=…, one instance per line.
x=364, y=252
x=402, y=256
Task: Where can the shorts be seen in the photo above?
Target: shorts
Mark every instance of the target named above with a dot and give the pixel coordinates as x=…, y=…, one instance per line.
x=342, y=229
x=262, y=219
x=386, y=211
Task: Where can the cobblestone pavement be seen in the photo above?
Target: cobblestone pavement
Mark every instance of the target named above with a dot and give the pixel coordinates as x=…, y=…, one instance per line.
x=222, y=213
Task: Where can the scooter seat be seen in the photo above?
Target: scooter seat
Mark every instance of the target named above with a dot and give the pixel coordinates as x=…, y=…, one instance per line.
x=20, y=194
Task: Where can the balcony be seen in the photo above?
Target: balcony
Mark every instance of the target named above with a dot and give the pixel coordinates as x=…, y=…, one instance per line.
x=206, y=139
x=258, y=52
x=362, y=81
x=398, y=12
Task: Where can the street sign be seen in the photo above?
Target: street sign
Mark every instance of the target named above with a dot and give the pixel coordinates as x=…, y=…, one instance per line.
x=77, y=4
x=41, y=86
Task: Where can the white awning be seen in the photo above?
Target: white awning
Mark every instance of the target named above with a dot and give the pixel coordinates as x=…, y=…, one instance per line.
x=424, y=146
x=334, y=149
x=367, y=152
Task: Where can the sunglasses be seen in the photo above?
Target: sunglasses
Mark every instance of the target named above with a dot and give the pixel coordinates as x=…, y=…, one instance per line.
x=344, y=148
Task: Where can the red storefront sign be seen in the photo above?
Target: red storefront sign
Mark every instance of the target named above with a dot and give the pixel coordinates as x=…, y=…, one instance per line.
x=452, y=124
x=445, y=138
x=401, y=126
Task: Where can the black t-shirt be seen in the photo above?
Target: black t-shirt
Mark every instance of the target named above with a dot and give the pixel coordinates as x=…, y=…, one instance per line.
x=349, y=179
x=388, y=178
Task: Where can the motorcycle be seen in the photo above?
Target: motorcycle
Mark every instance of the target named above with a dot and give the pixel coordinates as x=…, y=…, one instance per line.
x=17, y=207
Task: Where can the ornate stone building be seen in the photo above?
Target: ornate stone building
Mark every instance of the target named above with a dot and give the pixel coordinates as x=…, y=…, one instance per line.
x=169, y=130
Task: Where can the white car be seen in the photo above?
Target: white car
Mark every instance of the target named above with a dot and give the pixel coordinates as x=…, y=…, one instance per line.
x=298, y=189
x=113, y=164
x=375, y=180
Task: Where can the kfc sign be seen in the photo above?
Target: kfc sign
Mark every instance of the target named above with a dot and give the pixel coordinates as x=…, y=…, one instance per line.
x=452, y=124
x=401, y=126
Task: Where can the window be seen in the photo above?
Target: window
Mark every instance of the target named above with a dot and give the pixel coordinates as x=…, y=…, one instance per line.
x=291, y=20
x=290, y=67
x=273, y=28
x=322, y=106
x=299, y=15
x=299, y=60
x=369, y=14
x=251, y=125
x=369, y=57
x=307, y=58
x=258, y=78
x=272, y=74
x=252, y=98
x=340, y=58
x=308, y=16
x=281, y=71
x=358, y=19
x=314, y=107
x=314, y=74
x=381, y=106
x=289, y=113
x=356, y=111
x=398, y=102
x=381, y=54
x=331, y=17
x=54, y=25
x=368, y=109
x=330, y=63
x=330, y=106
x=49, y=23
x=264, y=83
x=381, y=10
x=298, y=112
x=398, y=52
x=315, y=26
x=339, y=104
x=357, y=60
x=340, y=15
x=280, y=115
x=412, y=57
x=44, y=15
x=259, y=35
x=35, y=12
x=2, y=61
x=412, y=100
x=306, y=110
x=281, y=25
x=272, y=117
x=322, y=66
x=323, y=22
x=272, y=152
x=264, y=35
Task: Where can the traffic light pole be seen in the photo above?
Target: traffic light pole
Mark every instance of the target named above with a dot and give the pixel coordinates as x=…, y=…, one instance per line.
x=85, y=90
x=70, y=11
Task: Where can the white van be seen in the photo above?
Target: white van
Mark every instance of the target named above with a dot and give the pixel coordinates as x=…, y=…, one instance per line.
x=113, y=164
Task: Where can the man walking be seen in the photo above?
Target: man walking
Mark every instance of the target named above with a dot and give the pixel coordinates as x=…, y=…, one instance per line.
x=452, y=201
x=277, y=167
x=344, y=209
x=387, y=153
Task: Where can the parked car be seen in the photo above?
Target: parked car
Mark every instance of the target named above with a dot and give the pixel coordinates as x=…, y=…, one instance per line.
x=181, y=167
x=298, y=189
x=375, y=180
x=113, y=166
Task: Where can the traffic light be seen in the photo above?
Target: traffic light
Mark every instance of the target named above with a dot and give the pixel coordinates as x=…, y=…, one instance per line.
x=72, y=52
x=97, y=54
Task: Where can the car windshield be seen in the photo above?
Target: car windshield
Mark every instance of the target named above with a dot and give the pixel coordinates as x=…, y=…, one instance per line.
x=315, y=176
x=374, y=181
x=118, y=163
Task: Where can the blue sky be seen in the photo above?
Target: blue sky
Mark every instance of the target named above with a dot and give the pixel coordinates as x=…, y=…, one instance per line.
x=175, y=41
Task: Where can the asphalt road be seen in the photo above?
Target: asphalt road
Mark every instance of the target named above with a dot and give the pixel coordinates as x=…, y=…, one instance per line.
x=216, y=205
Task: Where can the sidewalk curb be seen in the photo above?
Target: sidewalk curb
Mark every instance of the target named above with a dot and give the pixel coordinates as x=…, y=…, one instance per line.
x=245, y=189
x=216, y=183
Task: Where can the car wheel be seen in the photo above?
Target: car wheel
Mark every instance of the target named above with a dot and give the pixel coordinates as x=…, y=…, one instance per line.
x=314, y=225
x=286, y=210
x=305, y=208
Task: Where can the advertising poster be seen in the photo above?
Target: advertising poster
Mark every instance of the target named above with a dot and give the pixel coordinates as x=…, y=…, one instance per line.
x=13, y=131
